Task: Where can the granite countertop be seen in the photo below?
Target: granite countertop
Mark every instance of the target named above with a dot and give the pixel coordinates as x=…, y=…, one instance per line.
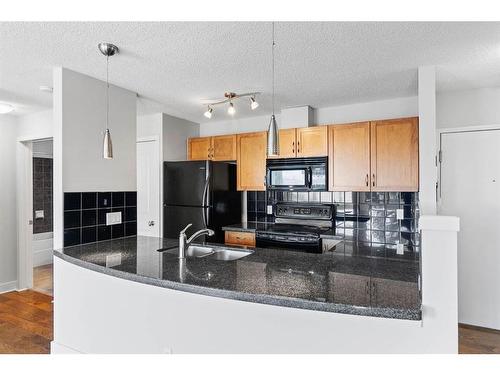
x=253, y=226
x=326, y=282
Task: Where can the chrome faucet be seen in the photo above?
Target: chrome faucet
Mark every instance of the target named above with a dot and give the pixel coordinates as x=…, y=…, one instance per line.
x=184, y=242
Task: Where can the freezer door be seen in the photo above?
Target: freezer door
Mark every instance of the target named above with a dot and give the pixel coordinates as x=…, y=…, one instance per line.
x=186, y=183
x=175, y=219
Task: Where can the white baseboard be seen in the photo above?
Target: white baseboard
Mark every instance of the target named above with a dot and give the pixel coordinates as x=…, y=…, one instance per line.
x=8, y=286
x=56, y=348
x=42, y=257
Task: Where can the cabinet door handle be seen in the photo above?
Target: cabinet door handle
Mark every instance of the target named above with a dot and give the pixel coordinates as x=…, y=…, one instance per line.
x=366, y=179
x=293, y=147
x=298, y=147
x=373, y=179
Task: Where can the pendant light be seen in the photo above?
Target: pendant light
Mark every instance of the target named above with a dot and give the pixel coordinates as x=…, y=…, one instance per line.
x=107, y=49
x=272, y=131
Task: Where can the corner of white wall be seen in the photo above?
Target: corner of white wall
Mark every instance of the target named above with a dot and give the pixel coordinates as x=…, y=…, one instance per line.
x=427, y=139
x=58, y=193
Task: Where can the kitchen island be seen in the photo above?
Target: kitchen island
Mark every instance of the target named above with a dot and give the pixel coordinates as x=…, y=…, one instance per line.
x=125, y=296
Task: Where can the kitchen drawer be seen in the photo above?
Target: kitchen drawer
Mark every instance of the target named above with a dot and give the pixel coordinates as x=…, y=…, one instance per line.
x=239, y=238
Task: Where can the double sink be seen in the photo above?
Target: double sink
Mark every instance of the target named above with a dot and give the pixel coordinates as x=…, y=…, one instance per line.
x=217, y=253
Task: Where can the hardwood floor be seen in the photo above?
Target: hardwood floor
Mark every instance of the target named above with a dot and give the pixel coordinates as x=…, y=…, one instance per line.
x=477, y=340
x=26, y=322
x=42, y=279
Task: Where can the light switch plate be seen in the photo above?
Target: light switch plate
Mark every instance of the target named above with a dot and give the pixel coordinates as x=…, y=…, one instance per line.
x=400, y=250
x=269, y=209
x=399, y=214
x=113, y=218
x=39, y=214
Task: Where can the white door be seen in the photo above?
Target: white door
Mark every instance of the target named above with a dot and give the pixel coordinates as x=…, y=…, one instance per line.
x=470, y=189
x=148, y=188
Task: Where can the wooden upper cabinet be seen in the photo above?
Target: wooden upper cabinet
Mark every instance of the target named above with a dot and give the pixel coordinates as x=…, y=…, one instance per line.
x=312, y=141
x=394, y=155
x=219, y=148
x=287, y=144
x=251, y=161
x=199, y=148
x=349, y=157
x=224, y=147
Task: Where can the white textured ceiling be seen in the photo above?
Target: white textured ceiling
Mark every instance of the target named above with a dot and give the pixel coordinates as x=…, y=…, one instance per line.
x=317, y=63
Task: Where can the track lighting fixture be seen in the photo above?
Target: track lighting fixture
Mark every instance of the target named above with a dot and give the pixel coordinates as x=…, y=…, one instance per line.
x=229, y=97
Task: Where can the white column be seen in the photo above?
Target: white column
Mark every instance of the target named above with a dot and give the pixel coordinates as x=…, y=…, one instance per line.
x=58, y=195
x=427, y=138
x=439, y=282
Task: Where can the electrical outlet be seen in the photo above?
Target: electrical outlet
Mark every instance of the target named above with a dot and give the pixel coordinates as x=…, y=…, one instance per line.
x=113, y=218
x=399, y=214
x=400, y=249
x=269, y=209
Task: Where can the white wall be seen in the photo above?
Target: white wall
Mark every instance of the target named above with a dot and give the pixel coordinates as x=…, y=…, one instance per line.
x=468, y=108
x=36, y=125
x=8, y=213
x=84, y=120
x=175, y=133
x=79, y=115
x=375, y=110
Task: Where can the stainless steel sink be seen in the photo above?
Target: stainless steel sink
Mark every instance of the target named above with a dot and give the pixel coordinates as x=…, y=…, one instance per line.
x=212, y=252
x=194, y=251
x=226, y=254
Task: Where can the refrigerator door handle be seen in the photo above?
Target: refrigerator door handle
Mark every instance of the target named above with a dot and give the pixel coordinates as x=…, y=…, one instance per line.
x=207, y=216
x=204, y=199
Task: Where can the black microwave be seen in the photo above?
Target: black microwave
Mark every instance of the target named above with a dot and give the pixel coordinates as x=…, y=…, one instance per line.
x=297, y=174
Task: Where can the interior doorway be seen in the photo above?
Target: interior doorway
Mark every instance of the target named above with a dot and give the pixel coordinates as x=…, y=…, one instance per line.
x=35, y=214
x=469, y=189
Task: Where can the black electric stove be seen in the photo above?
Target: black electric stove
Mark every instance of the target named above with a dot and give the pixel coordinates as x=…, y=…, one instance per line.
x=297, y=227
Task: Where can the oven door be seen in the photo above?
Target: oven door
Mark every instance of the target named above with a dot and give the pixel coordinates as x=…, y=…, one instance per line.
x=309, y=245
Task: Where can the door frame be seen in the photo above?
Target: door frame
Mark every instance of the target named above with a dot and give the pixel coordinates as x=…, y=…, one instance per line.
x=24, y=203
x=439, y=140
x=156, y=138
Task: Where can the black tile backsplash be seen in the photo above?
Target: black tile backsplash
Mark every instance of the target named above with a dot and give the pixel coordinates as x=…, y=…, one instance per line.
x=85, y=216
x=42, y=194
x=365, y=217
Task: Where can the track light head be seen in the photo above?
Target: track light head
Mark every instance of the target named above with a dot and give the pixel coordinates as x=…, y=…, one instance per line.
x=254, y=105
x=231, y=110
x=208, y=113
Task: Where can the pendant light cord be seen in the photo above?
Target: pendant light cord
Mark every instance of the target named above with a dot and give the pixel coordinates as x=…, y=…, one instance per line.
x=273, y=67
x=107, y=92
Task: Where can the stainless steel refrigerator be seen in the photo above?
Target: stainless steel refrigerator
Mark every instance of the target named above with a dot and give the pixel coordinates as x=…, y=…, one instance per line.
x=202, y=193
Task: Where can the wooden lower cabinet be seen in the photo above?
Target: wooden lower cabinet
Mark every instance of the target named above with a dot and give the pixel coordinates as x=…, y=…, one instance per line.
x=312, y=141
x=394, y=155
x=239, y=238
x=349, y=157
x=251, y=161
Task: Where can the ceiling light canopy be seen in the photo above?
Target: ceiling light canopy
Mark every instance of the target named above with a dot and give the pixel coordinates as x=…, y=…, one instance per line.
x=6, y=108
x=230, y=97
